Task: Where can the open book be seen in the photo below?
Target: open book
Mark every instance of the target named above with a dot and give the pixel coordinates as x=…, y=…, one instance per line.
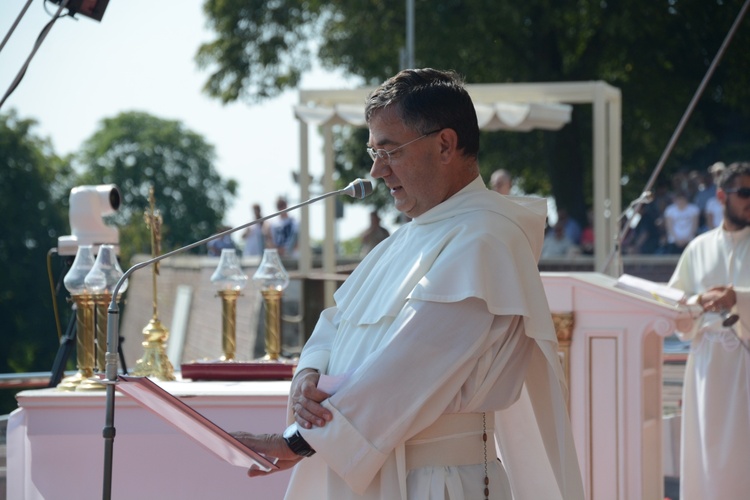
x=650, y=289
x=184, y=418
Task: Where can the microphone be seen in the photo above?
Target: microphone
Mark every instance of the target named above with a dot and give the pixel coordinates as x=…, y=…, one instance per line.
x=358, y=188
x=645, y=197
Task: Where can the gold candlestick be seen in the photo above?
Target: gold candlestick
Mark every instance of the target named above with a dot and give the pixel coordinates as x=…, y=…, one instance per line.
x=229, y=281
x=229, y=323
x=98, y=343
x=84, y=343
x=154, y=362
x=101, y=302
x=272, y=300
x=100, y=282
x=272, y=279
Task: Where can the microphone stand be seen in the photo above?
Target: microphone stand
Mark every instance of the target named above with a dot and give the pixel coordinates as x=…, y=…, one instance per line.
x=358, y=188
x=632, y=218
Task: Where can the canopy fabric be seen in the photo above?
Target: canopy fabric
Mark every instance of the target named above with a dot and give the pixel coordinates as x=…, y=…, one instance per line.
x=500, y=115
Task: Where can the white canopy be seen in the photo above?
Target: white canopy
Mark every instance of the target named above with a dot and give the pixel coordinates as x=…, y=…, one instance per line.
x=509, y=106
x=520, y=117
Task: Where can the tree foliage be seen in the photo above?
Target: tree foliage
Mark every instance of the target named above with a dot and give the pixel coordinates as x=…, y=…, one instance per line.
x=136, y=151
x=31, y=219
x=656, y=52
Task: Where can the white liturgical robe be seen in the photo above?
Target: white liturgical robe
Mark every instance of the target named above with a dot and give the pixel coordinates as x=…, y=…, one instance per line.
x=715, y=439
x=447, y=316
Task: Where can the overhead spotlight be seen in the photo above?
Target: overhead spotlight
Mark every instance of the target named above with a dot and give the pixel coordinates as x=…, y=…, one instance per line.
x=88, y=204
x=89, y=8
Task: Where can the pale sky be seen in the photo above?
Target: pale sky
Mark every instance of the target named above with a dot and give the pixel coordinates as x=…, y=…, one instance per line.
x=140, y=57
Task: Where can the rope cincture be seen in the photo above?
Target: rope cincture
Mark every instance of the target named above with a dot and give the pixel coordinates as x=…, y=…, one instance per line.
x=484, y=443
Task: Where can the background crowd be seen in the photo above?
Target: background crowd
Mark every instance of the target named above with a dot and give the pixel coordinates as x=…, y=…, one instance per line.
x=681, y=208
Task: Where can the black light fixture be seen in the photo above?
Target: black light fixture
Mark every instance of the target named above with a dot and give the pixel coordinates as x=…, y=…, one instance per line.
x=89, y=8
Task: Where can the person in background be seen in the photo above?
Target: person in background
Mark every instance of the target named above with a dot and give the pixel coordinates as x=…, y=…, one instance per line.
x=706, y=190
x=557, y=244
x=440, y=337
x=715, y=270
x=587, y=234
x=373, y=234
x=501, y=181
x=714, y=211
x=254, y=235
x=681, y=220
x=216, y=246
x=570, y=226
x=283, y=232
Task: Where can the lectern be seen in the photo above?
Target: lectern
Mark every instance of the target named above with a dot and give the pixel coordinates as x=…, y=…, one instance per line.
x=613, y=360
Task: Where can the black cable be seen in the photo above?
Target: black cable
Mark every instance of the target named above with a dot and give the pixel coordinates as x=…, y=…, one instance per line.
x=13, y=28
x=39, y=40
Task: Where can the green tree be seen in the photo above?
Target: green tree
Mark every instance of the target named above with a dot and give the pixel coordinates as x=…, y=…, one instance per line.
x=136, y=151
x=31, y=219
x=655, y=52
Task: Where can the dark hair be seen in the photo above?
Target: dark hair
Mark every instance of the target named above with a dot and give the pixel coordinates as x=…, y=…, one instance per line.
x=429, y=99
x=732, y=172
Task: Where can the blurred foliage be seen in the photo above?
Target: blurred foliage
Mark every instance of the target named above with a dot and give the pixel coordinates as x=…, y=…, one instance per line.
x=656, y=52
x=31, y=216
x=136, y=151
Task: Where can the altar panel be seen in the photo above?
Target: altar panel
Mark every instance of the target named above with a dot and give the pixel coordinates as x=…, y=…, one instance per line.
x=56, y=448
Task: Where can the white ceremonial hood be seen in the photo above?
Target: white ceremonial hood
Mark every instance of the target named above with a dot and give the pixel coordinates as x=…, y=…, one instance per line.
x=433, y=258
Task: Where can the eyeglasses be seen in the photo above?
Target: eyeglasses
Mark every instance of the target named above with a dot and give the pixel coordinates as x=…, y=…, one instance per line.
x=743, y=192
x=386, y=155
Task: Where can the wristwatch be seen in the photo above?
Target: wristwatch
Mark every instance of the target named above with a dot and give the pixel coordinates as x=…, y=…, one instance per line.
x=296, y=442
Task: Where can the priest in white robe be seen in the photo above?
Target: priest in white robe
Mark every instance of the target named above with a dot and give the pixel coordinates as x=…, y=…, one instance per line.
x=715, y=268
x=440, y=340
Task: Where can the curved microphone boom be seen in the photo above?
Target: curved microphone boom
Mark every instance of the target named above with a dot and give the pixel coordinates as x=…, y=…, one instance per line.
x=359, y=188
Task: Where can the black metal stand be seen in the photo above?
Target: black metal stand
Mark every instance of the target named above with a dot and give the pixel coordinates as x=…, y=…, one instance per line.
x=67, y=342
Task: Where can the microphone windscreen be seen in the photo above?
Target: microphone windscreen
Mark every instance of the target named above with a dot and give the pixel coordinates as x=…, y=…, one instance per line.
x=359, y=188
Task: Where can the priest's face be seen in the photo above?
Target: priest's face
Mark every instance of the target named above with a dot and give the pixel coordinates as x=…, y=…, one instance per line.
x=737, y=208
x=408, y=162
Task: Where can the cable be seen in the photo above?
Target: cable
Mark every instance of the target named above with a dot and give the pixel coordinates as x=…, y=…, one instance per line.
x=54, y=292
x=40, y=39
x=13, y=28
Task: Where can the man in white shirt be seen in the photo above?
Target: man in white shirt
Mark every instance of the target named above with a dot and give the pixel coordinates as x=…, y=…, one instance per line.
x=715, y=267
x=440, y=337
x=681, y=218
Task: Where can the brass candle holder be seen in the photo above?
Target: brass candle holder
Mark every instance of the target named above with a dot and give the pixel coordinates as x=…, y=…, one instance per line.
x=101, y=302
x=272, y=301
x=100, y=281
x=84, y=343
x=74, y=282
x=229, y=281
x=154, y=362
x=229, y=323
x=272, y=279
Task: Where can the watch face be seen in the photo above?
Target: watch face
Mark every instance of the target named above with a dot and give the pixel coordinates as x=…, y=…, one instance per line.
x=296, y=442
x=289, y=431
